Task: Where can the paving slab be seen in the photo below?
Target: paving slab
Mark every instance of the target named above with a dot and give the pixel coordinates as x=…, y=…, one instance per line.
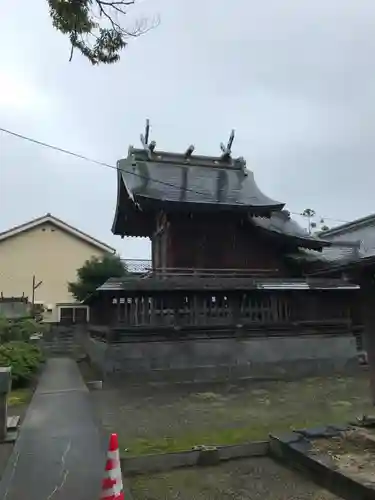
x=60, y=452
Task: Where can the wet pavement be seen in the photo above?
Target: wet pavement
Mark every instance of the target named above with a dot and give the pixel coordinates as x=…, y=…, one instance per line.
x=60, y=452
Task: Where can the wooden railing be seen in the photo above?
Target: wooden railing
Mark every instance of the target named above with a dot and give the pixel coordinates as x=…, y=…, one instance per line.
x=212, y=273
x=205, y=309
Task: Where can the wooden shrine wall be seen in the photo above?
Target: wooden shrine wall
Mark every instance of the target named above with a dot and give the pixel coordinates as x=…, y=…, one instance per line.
x=216, y=242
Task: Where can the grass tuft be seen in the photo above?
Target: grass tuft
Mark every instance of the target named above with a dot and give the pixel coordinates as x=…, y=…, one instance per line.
x=19, y=397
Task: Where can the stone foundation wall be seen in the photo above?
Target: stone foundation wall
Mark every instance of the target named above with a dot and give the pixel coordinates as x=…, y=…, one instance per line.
x=62, y=340
x=201, y=360
x=97, y=352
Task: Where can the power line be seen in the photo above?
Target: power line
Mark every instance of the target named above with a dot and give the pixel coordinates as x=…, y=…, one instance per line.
x=56, y=148
x=107, y=165
x=103, y=164
x=321, y=217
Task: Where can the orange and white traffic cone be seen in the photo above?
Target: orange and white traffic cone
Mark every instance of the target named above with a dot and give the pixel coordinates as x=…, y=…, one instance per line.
x=112, y=487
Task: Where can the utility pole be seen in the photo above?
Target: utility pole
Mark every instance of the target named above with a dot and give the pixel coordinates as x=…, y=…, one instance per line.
x=35, y=286
x=309, y=213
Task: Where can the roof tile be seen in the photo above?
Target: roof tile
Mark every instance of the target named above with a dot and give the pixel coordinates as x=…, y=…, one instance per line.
x=192, y=182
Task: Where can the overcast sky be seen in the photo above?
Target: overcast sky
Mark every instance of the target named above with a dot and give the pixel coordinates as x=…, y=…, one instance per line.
x=295, y=79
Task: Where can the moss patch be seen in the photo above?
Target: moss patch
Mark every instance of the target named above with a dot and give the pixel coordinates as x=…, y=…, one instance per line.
x=255, y=431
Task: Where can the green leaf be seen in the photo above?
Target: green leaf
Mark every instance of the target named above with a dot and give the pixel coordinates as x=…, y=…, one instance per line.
x=94, y=27
x=94, y=273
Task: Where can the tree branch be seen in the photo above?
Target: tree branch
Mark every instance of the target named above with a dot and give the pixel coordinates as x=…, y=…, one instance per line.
x=102, y=10
x=71, y=53
x=135, y=33
x=100, y=19
x=111, y=4
x=118, y=9
x=116, y=5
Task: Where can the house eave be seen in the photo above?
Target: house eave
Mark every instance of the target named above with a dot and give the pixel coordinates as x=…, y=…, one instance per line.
x=348, y=226
x=10, y=233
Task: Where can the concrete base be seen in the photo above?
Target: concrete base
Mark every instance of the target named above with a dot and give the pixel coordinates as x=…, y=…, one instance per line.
x=12, y=429
x=168, y=461
x=11, y=437
x=209, y=360
x=294, y=449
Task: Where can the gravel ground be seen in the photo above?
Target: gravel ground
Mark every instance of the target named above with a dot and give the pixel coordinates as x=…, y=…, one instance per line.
x=251, y=479
x=151, y=419
x=156, y=419
x=351, y=453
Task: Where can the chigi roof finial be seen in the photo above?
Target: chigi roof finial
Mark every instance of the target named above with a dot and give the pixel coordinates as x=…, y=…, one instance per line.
x=189, y=152
x=150, y=148
x=228, y=149
x=144, y=138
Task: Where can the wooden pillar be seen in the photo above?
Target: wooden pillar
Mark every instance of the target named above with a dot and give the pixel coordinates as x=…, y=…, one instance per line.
x=234, y=299
x=118, y=307
x=298, y=305
x=107, y=314
x=368, y=314
x=175, y=303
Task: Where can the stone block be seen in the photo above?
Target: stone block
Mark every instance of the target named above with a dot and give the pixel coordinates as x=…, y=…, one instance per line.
x=319, y=432
x=5, y=387
x=5, y=379
x=289, y=437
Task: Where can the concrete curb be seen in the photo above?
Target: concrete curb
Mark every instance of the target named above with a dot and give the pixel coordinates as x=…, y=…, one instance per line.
x=294, y=449
x=131, y=466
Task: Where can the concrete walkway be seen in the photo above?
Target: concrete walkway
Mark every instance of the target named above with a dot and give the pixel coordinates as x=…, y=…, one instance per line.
x=59, y=454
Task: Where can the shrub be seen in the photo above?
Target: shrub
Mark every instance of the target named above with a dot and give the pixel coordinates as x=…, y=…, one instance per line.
x=18, y=329
x=24, y=358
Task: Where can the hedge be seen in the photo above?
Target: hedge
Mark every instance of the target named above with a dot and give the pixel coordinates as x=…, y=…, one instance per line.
x=24, y=358
x=20, y=329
